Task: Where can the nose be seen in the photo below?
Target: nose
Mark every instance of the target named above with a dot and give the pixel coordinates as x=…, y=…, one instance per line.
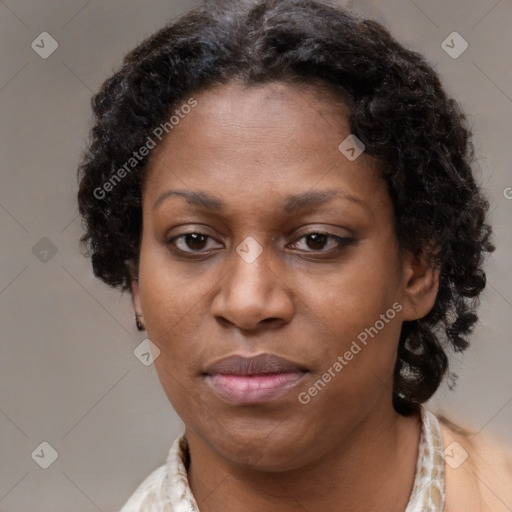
x=253, y=295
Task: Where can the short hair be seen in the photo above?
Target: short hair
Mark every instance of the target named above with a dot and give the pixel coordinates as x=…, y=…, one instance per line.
x=398, y=109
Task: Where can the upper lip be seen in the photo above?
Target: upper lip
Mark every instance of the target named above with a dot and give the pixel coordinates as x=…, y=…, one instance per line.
x=256, y=365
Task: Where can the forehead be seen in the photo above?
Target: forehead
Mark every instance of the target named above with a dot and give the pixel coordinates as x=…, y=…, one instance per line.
x=259, y=110
x=267, y=139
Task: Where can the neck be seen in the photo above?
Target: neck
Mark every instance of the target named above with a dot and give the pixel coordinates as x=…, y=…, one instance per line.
x=372, y=469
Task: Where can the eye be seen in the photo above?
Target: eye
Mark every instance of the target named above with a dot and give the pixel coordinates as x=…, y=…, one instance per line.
x=194, y=242
x=317, y=241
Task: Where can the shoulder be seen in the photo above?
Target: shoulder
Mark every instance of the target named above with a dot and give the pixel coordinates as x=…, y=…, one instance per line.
x=148, y=497
x=478, y=471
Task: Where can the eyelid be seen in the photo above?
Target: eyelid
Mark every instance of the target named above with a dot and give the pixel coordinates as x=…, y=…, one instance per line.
x=323, y=230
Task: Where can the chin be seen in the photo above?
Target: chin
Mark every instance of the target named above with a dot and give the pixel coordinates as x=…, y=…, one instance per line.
x=261, y=451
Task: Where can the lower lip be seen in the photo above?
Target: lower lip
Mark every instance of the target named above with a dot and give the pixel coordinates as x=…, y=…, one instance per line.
x=252, y=389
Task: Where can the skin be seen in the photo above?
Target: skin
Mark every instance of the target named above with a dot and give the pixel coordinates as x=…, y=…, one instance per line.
x=301, y=299
x=482, y=482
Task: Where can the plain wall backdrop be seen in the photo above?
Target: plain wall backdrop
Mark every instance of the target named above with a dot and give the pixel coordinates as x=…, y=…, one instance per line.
x=69, y=376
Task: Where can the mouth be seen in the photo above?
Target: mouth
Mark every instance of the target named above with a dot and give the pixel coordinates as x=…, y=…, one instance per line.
x=255, y=379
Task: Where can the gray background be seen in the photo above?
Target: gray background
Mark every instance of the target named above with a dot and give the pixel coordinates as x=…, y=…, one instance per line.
x=68, y=373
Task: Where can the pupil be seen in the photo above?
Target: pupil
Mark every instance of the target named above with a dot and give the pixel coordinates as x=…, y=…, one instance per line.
x=318, y=239
x=192, y=240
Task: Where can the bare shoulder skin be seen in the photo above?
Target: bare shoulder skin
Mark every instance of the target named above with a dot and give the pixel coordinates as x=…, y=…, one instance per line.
x=478, y=471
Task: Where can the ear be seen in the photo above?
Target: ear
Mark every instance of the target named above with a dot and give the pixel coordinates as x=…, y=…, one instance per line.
x=134, y=289
x=421, y=283
x=136, y=295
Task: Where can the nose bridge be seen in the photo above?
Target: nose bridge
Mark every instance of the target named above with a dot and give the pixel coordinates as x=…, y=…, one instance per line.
x=250, y=278
x=251, y=291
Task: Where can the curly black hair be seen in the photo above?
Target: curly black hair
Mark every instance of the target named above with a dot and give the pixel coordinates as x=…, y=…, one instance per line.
x=398, y=109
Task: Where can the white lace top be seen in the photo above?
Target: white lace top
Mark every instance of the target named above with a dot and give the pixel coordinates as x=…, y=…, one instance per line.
x=167, y=490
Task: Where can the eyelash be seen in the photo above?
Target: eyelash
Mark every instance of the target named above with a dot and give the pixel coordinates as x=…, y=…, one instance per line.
x=340, y=241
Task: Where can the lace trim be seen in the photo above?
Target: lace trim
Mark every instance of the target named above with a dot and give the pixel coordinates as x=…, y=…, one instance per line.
x=428, y=492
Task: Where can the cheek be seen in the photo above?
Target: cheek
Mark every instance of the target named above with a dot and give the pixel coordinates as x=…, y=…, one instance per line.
x=171, y=305
x=364, y=287
x=361, y=334
x=361, y=337
x=360, y=311
x=171, y=293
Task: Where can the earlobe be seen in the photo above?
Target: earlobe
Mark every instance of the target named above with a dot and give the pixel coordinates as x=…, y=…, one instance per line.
x=421, y=286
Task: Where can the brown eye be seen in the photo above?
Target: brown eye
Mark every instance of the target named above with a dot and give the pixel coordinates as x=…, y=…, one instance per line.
x=195, y=241
x=190, y=242
x=317, y=242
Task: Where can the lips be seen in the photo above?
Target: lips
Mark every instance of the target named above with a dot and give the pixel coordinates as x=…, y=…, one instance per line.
x=255, y=379
x=262, y=364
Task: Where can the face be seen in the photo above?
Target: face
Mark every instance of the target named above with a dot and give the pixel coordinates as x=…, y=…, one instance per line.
x=261, y=237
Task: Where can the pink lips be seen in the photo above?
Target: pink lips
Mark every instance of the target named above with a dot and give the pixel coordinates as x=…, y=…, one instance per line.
x=251, y=380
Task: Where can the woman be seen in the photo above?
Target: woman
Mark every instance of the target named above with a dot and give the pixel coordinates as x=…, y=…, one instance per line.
x=287, y=193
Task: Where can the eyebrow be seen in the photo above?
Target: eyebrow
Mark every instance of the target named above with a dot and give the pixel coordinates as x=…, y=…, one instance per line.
x=293, y=203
